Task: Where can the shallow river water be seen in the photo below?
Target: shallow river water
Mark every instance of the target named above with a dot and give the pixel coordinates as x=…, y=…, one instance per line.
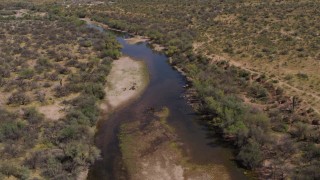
x=165, y=89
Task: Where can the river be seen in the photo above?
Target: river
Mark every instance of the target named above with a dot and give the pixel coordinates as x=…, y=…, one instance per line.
x=165, y=89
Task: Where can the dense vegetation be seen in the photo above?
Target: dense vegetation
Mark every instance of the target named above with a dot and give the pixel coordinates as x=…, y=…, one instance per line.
x=276, y=134
x=52, y=74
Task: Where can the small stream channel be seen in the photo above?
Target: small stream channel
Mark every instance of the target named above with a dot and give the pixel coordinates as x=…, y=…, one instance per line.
x=165, y=89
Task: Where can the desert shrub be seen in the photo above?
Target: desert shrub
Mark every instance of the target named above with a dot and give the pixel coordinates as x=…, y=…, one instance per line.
x=53, y=169
x=85, y=43
x=61, y=91
x=115, y=54
x=11, y=150
x=250, y=154
x=62, y=70
x=71, y=62
x=85, y=105
x=309, y=171
x=280, y=127
x=53, y=76
x=4, y=72
x=77, y=117
x=95, y=90
x=43, y=64
x=72, y=132
x=19, y=98
x=32, y=116
x=301, y=131
x=26, y=73
x=33, y=161
x=81, y=14
x=11, y=130
x=244, y=74
x=257, y=91
x=40, y=96
x=302, y=75
x=10, y=169
x=312, y=152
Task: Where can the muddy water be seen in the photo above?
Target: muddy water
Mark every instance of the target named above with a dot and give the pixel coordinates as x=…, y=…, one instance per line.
x=165, y=89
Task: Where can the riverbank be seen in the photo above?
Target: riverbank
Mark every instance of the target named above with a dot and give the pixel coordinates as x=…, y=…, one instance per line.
x=126, y=81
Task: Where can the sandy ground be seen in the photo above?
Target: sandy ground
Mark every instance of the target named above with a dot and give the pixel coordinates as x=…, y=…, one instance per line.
x=125, y=82
x=158, y=47
x=53, y=111
x=136, y=39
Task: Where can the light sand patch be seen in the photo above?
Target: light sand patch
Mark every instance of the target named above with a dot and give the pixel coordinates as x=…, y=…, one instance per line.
x=126, y=81
x=158, y=47
x=83, y=175
x=52, y=111
x=136, y=39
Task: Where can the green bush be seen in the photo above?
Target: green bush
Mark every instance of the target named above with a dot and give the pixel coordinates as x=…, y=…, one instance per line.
x=26, y=73
x=10, y=169
x=10, y=130
x=95, y=90
x=32, y=116
x=250, y=154
x=257, y=91
x=18, y=98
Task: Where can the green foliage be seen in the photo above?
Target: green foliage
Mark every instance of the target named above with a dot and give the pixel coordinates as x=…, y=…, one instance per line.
x=10, y=169
x=10, y=130
x=95, y=90
x=301, y=131
x=26, y=73
x=32, y=115
x=115, y=54
x=250, y=154
x=259, y=92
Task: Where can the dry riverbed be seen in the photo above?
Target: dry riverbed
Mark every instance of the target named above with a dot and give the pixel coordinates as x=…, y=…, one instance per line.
x=151, y=150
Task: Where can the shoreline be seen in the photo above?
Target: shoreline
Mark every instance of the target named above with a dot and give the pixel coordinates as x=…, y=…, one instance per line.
x=127, y=80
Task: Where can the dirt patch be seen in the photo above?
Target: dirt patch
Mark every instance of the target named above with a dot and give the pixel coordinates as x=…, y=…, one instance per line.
x=53, y=111
x=126, y=81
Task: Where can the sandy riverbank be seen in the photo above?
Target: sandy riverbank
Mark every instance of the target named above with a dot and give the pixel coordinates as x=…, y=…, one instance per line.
x=126, y=81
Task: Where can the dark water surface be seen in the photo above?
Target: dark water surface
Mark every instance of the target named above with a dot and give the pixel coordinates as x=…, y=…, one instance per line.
x=165, y=89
